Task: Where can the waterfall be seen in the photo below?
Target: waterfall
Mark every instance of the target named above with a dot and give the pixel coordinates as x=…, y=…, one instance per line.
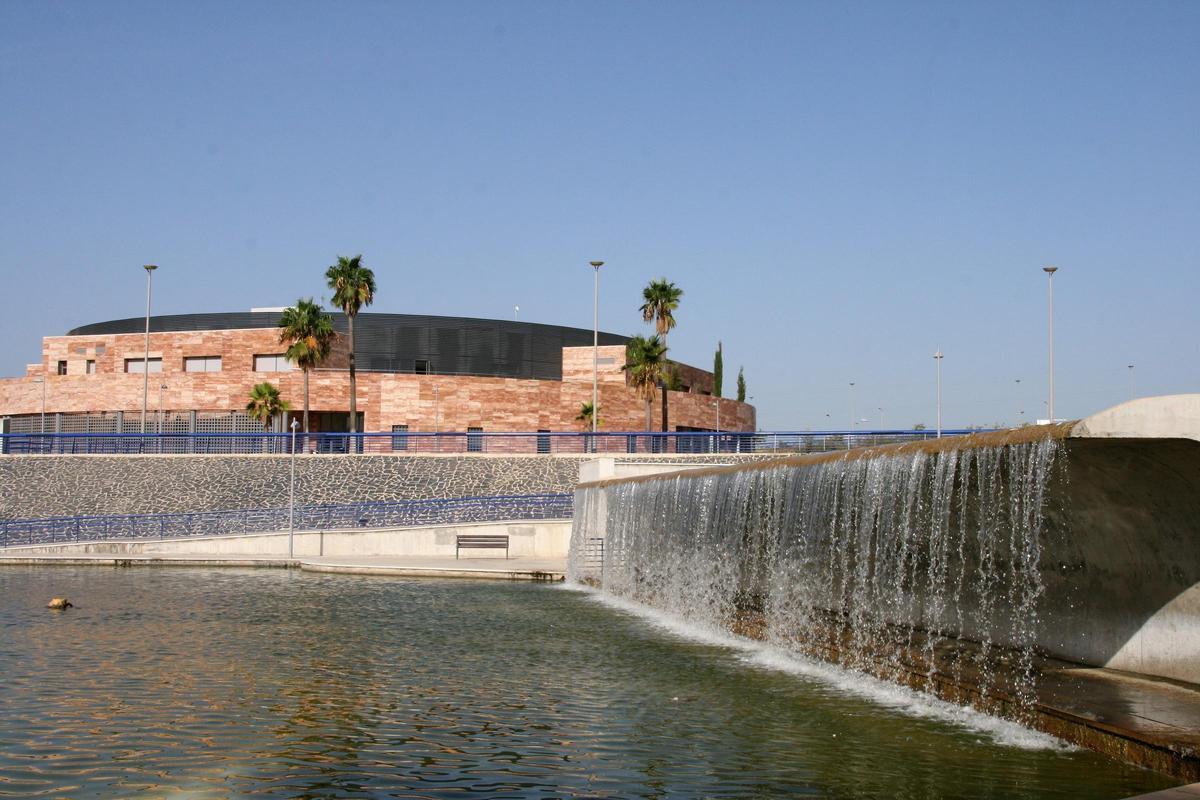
x=914, y=564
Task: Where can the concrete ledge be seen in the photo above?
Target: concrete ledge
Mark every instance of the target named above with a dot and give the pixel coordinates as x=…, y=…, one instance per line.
x=412, y=571
x=143, y=561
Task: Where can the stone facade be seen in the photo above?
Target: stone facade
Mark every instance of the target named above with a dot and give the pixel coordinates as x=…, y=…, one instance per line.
x=33, y=487
x=423, y=402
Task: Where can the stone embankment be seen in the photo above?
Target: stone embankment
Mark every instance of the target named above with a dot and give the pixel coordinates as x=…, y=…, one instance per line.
x=52, y=486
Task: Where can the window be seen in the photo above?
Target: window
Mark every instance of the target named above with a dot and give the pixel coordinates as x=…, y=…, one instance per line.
x=276, y=362
x=399, y=437
x=62, y=368
x=91, y=366
x=543, y=442
x=474, y=440
x=135, y=365
x=421, y=367
x=202, y=364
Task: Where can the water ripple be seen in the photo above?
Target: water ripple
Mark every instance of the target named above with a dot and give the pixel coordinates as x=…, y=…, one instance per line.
x=210, y=683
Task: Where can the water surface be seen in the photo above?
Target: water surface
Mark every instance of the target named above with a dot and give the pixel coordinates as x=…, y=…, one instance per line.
x=215, y=683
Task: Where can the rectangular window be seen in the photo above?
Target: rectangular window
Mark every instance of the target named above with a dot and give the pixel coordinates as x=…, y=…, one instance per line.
x=91, y=366
x=202, y=364
x=276, y=362
x=399, y=437
x=62, y=368
x=474, y=440
x=421, y=367
x=135, y=365
x=543, y=442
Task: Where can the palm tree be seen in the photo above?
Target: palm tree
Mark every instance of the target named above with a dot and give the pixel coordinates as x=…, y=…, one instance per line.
x=265, y=404
x=308, y=331
x=585, y=416
x=645, y=361
x=661, y=299
x=353, y=287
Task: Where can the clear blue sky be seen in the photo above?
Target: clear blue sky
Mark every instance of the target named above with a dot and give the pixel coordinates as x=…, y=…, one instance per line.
x=839, y=188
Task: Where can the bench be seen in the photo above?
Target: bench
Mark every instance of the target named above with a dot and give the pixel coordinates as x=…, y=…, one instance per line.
x=481, y=541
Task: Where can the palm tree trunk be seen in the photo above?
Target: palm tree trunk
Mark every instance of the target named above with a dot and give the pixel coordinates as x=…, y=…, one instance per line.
x=648, y=417
x=664, y=408
x=353, y=383
x=665, y=421
x=306, y=399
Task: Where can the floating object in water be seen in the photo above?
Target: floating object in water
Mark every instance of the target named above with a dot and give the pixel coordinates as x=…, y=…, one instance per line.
x=59, y=603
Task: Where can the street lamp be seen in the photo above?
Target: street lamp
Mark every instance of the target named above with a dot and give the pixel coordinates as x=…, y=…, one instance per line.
x=938, y=358
x=437, y=422
x=161, y=386
x=1050, y=403
x=292, y=495
x=850, y=437
x=881, y=425
x=596, y=265
x=1019, y=403
x=1131, y=381
x=146, y=360
x=42, y=381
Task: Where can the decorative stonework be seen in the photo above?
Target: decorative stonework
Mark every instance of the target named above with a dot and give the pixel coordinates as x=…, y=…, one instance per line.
x=51, y=486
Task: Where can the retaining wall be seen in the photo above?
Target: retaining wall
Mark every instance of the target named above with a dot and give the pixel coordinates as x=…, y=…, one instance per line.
x=51, y=486
x=534, y=539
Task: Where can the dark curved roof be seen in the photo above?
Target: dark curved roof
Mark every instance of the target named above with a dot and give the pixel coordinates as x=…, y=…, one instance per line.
x=395, y=342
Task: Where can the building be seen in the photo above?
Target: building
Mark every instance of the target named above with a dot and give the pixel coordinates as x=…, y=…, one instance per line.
x=415, y=373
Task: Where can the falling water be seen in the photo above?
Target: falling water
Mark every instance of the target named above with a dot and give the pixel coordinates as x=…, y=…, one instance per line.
x=914, y=566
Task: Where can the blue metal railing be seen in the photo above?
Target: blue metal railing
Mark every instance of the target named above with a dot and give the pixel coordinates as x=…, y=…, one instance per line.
x=451, y=443
x=383, y=514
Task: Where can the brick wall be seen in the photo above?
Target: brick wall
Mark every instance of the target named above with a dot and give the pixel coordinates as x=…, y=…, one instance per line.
x=423, y=402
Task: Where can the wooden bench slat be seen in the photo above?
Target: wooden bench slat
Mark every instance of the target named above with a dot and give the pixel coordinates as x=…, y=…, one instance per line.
x=480, y=541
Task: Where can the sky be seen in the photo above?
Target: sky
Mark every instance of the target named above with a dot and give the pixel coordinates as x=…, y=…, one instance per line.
x=840, y=189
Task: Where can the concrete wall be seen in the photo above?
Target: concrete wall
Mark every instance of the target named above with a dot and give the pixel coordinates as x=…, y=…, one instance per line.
x=532, y=539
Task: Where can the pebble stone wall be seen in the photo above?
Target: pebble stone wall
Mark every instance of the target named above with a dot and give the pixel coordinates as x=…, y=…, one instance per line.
x=33, y=487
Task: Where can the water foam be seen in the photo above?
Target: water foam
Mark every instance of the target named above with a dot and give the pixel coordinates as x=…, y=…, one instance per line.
x=891, y=696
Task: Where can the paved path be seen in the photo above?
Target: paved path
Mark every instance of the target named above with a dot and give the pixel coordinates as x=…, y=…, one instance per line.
x=530, y=569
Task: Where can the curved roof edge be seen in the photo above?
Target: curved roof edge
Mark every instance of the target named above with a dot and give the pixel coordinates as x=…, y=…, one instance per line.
x=235, y=320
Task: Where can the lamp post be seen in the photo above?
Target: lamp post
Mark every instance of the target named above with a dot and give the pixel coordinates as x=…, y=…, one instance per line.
x=717, y=443
x=161, y=386
x=437, y=423
x=1131, y=381
x=146, y=359
x=42, y=381
x=1019, y=403
x=850, y=437
x=292, y=495
x=1050, y=402
x=596, y=265
x=516, y=313
x=938, y=358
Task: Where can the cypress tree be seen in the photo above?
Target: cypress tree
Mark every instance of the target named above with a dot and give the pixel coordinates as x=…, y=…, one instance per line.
x=718, y=371
x=741, y=384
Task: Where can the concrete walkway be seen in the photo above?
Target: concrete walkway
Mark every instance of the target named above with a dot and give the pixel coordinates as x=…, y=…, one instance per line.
x=486, y=567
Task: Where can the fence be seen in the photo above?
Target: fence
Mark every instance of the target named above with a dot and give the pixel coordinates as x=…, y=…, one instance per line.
x=402, y=513
x=450, y=443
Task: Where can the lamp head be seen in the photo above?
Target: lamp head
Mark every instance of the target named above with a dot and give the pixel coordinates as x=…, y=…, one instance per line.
x=295, y=424
x=1050, y=270
x=597, y=264
x=150, y=267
